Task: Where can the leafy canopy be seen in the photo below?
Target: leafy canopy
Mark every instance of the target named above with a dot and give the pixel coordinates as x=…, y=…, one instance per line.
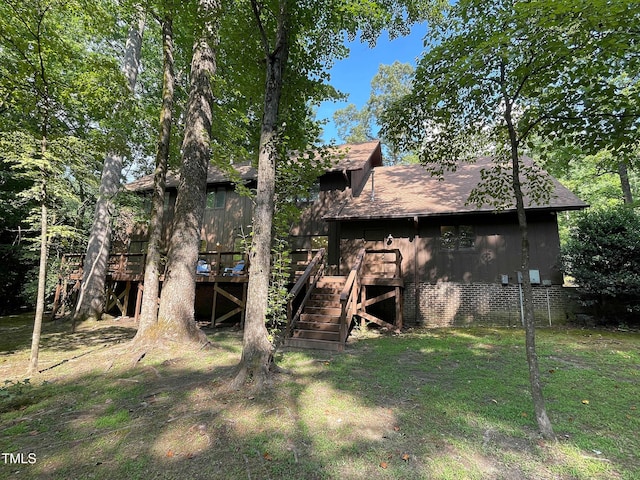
x=496, y=73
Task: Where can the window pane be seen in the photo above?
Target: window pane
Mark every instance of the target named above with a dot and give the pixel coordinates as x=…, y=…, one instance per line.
x=211, y=199
x=448, y=237
x=319, y=242
x=466, y=236
x=220, y=197
x=216, y=198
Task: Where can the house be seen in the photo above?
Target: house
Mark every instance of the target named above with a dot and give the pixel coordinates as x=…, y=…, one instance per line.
x=460, y=262
x=431, y=258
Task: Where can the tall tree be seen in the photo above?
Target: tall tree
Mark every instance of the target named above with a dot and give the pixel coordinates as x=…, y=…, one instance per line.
x=497, y=73
x=149, y=309
x=48, y=117
x=256, y=347
x=176, y=312
x=91, y=299
x=295, y=38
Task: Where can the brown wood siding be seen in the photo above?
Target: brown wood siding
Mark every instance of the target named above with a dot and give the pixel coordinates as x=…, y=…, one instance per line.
x=311, y=222
x=358, y=179
x=496, y=250
x=222, y=226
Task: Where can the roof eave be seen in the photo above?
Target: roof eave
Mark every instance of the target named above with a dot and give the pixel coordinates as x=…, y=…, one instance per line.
x=393, y=216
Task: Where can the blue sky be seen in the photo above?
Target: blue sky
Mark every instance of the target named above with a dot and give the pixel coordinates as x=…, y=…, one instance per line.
x=353, y=74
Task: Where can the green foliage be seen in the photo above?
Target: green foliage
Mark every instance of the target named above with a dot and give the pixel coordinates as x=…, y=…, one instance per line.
x=603, y=256
x=353, y=125
x=59, y=82
x=494, y=74
x=389, y=84
x=16, y=394
x=276, y=314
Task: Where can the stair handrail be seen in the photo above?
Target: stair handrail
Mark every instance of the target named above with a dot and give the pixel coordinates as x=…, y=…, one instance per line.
x=350, y=295
x=308, y=279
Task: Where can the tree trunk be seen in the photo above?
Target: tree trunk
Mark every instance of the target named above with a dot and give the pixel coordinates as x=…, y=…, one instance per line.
x=42, y=278
x=257, y=350
x=544, y=424
x=176, y=314
x=149, y=310
x=91, y=299
x=133, y=48
x=624, y=183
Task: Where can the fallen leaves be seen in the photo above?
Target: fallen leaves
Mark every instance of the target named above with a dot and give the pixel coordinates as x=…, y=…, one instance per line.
x=385, y=463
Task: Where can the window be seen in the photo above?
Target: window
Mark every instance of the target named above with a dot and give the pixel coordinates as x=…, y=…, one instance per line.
x=306, y=198
x=318, y=242
x=457, y=237
x=216, y=198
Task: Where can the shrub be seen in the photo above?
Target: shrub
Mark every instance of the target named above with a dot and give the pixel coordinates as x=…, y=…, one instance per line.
x=603, y=255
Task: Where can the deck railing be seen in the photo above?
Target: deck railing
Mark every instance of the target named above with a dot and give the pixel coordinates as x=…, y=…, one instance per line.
x=131, y=266
x=365, y=266
x=350, y=296
x=301, y=291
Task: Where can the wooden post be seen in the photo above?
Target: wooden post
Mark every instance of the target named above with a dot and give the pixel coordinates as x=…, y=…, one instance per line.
x=245, y=285
x=138, y=301
x=398, y=322
x=213, y=307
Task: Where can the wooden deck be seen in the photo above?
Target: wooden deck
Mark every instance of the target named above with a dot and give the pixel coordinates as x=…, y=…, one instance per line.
x=221, y=293
x=321, y=312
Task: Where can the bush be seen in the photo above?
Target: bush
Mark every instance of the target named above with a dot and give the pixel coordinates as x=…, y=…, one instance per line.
x=603, y=255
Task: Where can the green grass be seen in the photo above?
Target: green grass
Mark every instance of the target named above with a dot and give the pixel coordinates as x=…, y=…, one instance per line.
x=428, y=404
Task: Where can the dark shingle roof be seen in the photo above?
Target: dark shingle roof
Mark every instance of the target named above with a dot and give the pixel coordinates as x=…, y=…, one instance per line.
x=351, y=157
x=214, y=175
x=409, y=190
x=356, y=155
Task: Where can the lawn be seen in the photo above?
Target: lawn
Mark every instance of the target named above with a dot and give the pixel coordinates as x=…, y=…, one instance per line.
x=432, y=404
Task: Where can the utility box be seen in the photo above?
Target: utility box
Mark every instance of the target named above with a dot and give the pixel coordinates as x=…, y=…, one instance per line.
x=504, y=278
x=534, y=277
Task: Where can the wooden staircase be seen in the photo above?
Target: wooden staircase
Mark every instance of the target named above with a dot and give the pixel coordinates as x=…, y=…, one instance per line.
x=321, y=308
x=319, y=323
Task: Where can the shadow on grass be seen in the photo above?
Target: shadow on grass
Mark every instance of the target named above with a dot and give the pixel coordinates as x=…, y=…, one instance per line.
x=16, y=332
x=442, y=405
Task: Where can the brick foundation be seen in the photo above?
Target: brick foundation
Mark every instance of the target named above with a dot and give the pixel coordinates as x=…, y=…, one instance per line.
x=455, y=304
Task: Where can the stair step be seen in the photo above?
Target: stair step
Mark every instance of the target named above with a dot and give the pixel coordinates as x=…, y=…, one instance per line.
x=320, y=326
x=315, y=344
x=332, y=279
x=317, y=335
x=327, y=290
x=325, y=304
x=325, y=297
x=323, y=309
x=315, y=318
